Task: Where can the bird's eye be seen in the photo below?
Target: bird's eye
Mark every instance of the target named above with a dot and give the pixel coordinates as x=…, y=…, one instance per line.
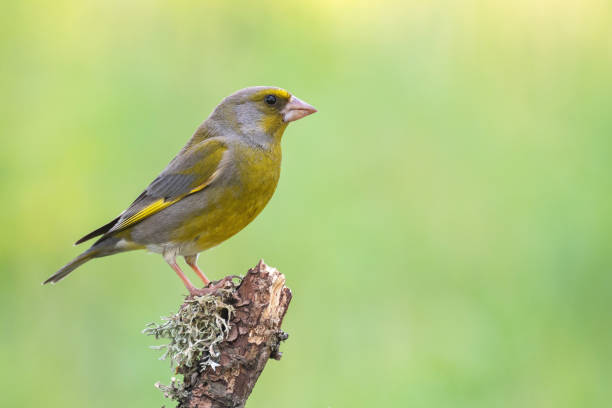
x=270, y=99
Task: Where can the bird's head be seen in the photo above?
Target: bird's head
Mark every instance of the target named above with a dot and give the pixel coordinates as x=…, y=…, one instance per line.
x=261, y=112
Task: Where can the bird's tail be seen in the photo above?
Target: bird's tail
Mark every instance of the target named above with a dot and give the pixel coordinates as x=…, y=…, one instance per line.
x=103, y=248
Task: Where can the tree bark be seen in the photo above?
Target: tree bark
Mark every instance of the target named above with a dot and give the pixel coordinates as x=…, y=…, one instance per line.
x=261, y=301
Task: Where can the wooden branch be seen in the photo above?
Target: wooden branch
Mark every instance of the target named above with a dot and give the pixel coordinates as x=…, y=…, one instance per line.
x=260, y=301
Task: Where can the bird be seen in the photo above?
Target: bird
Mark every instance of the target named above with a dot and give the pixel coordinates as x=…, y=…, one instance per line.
x=214, y=187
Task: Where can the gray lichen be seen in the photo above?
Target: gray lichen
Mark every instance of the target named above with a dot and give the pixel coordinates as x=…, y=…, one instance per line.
x=175, y=391
x=194, y=334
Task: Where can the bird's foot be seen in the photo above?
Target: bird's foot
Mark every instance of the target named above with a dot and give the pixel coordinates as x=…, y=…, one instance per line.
x=213, y=287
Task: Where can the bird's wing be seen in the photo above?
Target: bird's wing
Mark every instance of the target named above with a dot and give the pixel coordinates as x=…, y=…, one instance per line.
x=188, y=173
x=192, y=171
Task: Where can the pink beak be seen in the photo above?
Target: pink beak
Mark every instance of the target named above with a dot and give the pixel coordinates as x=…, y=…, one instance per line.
x=296, y=109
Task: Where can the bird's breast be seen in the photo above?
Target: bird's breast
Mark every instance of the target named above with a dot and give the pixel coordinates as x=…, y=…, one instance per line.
x=230, y=203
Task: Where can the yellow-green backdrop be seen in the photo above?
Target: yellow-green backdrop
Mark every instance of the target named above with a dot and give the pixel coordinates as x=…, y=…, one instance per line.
x=444, y=221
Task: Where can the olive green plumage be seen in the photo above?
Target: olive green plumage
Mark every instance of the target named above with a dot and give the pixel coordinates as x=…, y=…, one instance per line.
x=216, y=185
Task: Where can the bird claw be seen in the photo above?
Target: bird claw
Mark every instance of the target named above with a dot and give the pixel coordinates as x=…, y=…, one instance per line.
x=213, y=287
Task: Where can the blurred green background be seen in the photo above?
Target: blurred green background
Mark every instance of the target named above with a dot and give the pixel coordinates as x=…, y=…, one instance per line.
x=444, y=221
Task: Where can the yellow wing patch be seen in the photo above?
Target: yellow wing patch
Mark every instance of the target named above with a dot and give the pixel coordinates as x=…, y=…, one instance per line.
x=157, y=206
x=144, y=213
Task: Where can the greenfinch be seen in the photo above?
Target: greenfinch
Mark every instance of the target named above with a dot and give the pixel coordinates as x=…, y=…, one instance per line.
x=217, y=184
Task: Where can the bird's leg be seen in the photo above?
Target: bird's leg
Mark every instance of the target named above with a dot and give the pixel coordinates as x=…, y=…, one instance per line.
x=191, y=261
x=209, y=289
x=185, y=279
x=171, y=259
